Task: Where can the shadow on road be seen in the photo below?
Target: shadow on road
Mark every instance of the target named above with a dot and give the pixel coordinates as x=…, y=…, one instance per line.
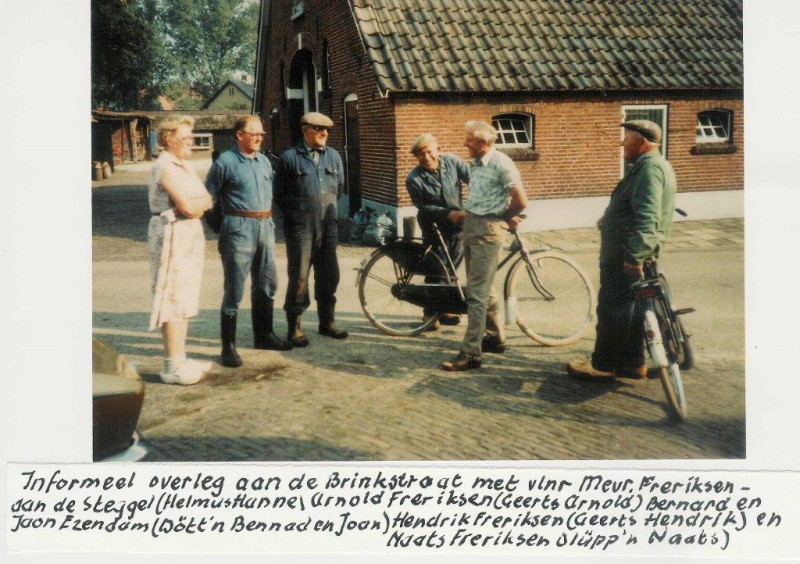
x=542, y=391
x=232, y=449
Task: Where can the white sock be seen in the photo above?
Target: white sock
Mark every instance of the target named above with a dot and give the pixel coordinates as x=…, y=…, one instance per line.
x=171, y=364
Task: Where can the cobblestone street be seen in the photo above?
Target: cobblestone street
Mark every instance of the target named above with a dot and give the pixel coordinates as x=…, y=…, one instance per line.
x=375, y=397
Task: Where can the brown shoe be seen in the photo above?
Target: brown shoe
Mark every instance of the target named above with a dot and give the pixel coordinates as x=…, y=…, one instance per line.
x=434, y=326
x=631, y=372
x=492, y=345
x=583, y=370
x=295, y=334
x=449, y=319
x=462, y=361
x=331, y=330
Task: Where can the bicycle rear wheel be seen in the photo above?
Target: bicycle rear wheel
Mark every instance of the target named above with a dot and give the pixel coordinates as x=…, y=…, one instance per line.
x=552, y=297
x=380, y=282
x=685, y=354
x=679, y=338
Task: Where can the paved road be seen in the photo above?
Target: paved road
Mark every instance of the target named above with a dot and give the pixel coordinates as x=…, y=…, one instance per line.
x=374, y=397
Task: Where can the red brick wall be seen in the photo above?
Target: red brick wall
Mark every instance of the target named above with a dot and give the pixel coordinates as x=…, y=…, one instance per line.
x=350, y=72
x=577, y=138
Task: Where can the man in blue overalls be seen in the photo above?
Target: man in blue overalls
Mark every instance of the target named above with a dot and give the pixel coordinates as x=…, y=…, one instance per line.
x=242, y=179
x=309, y=179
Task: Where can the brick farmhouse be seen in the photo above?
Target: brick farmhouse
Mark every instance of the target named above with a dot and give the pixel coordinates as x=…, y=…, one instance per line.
x=555, y=77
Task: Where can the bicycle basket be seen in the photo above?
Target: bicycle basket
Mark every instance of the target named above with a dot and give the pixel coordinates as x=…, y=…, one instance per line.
x=415, y=258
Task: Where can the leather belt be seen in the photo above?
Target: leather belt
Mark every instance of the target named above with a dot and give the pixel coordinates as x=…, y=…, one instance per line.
x=253, y=214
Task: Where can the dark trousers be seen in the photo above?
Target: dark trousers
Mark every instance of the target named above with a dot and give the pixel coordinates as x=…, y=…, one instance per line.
x=455, y=246
x=620, y=333
x=303, y=251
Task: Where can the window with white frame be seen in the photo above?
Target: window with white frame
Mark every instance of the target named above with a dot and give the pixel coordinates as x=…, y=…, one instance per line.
x=513, y=130
x=202, y=140
x=656, y=114
x=713, y=126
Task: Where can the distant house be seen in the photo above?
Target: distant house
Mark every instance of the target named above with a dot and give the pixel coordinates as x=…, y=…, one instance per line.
x=555, y=78
x=119, y=137
x=233, y=95
x=213, y=129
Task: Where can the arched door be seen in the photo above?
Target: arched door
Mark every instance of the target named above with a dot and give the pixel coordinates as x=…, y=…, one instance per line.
x=351, y=153
x=302, y=90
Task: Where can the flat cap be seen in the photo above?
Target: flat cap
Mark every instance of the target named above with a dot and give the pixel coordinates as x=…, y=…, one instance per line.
x=646, y=128
x=316, y=118
x=422, y=141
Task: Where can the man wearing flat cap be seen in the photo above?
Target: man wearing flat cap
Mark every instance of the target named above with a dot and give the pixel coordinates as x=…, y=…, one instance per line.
x=435, y=187
x=633, y=228
x=309, y=178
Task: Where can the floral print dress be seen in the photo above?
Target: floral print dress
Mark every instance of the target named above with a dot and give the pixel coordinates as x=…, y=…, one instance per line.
x=176, y=247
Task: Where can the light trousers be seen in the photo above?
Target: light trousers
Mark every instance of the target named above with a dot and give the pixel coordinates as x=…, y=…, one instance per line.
x=483, y=244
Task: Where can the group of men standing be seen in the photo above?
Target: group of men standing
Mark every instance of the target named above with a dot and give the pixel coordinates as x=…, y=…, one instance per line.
x=305, y=185
x=308, y=181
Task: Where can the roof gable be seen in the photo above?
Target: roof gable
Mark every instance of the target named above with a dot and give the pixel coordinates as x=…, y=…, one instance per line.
x=246, y=88
x=552, y=45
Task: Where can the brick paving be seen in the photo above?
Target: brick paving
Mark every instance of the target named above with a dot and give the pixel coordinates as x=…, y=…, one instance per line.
x=375, y=397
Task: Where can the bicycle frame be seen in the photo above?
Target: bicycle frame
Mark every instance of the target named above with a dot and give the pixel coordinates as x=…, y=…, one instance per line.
x=655, y=286
x=442, y=292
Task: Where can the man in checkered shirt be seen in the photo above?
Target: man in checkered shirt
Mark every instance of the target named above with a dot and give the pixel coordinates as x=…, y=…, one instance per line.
x=496, y=198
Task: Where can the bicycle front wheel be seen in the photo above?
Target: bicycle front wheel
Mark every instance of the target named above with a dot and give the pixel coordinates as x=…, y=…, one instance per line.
x=551, y=296
x=665, y=352
x=673, y=388
x=382, y=281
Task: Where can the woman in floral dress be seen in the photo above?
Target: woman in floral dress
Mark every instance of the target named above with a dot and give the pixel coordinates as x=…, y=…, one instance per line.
x=176, y=244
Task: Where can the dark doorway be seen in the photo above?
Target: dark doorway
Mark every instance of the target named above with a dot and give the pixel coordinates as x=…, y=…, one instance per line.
x=351, y=152
x=302, y=95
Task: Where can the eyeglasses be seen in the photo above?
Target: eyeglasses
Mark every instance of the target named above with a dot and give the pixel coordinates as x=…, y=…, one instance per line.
x=259, y=134
x=318, y=127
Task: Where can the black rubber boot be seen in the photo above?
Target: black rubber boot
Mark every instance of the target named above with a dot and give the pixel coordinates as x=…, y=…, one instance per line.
x=295, y=335
x=229, y=355
x=326, y=325
x=263, y=336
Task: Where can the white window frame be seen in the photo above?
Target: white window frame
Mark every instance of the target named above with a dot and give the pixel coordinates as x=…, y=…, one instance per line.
x=298, y=9
x=527, y=122
x=727, y=120
x=663, y=124
x=199, y=147
x=349, y=98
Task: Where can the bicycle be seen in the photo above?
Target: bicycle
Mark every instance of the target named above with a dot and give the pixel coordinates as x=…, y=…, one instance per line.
x=667, y=340
x=546, y=293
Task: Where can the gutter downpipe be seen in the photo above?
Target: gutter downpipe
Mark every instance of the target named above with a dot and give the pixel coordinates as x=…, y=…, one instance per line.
x=261, y=54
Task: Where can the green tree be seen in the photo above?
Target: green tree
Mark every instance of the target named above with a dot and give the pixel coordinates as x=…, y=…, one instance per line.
x=208, y=41
x=125, y=59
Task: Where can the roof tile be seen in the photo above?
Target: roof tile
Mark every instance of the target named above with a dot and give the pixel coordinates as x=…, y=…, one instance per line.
x=540, y=45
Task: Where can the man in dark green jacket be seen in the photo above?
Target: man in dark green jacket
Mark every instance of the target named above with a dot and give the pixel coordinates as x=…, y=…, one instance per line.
x=633, y=228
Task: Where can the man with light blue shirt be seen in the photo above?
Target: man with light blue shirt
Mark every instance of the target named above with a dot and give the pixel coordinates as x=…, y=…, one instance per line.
x=496, y=198
x=241, y=179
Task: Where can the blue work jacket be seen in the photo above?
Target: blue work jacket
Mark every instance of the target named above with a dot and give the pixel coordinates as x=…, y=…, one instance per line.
x=307, y=193
x=241, y=182
x=433, y=197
